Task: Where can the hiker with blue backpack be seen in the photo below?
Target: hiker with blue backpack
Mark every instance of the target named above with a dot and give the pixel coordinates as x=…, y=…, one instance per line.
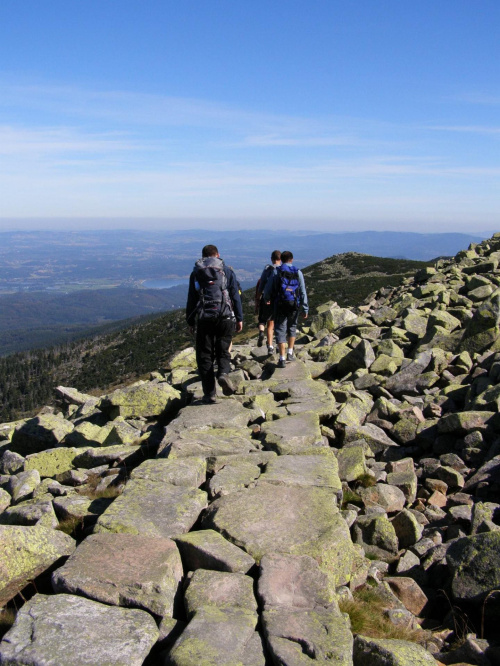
x=263, y=309
x=287, y=292
x=214, y=308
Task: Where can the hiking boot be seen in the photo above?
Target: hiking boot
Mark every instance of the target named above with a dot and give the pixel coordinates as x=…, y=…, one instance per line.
x=282, y=363
x=290, y=357
x=209, y=400
x=226, y=385
x=260, y=340
x=270, y=349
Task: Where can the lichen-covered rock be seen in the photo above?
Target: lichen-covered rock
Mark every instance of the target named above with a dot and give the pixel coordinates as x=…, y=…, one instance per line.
x=389, y=652
x=293, y=434
x=51, y=462
x=25, y=552
x=352, y=463
x=305, y=470
x=124, y=570
x=42, y=432
x=232, y=477
x=10, y=462
x=22, y=485
x=407, y=528
x=474, y=562
x=149, y=399
x=214, y=637
x=294, y=520
x=219, y=589
x=377, y=536
x=107, y=455
x=299, y=637
x=207, y=443
x=32, y=512
x=207, y=549
x=70, y=630
x=5, y=499
x=153, y=509
x=388, y=497
x=189, y=472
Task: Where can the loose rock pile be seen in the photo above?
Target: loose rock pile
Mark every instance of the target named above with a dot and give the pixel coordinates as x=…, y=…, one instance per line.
x=230, y=533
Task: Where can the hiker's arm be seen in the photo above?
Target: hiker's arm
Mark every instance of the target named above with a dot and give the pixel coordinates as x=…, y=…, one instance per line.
x=268, y=290
x=192, y=302
x=304, y=304
x=234, y=294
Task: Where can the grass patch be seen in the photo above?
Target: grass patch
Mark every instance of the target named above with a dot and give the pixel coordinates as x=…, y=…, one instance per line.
x=366, y=481
x=105, y=493
x=70, y=525
x=351, y=497
x=366, y=612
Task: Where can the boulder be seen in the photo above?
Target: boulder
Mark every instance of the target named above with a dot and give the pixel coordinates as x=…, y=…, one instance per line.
x=220, y=589
x=305, y=470
x=190, y=472
x=42, y=432
x=25, y=552
x=51, y=462
x=293, y=434
x=149, y=399
x=153, y=509
x=474, y=563
x=124, y=570
x=389, y=652
x=70, y=630
x=207, y=549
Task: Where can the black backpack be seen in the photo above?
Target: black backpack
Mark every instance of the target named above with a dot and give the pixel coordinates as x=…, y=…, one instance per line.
x=288, y=287
x=211, y=283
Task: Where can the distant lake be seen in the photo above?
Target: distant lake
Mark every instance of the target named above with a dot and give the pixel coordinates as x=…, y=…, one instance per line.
x=163, y=284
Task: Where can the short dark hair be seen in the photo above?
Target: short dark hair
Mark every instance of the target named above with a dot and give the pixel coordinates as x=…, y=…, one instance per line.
x=209, y=251
x=286, y=256
x=276, y=256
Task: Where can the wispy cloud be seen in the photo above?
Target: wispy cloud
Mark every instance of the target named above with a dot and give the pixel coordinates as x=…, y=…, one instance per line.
x=486, y=99
x=470, y=129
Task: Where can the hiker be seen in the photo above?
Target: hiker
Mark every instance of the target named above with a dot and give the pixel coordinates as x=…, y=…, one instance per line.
x=214, y=306
x=264, y=309
x=287, y=292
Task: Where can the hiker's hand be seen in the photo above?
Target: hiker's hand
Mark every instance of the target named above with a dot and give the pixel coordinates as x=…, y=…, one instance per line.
x=268, y=302
x=191, y=330
x=304, y=315
x=239, y=326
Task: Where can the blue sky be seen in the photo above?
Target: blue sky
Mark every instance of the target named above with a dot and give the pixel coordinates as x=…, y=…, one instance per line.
x=320, y=114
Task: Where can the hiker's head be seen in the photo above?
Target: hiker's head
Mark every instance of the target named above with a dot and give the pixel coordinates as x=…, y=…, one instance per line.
x=209, y=251
x=276, y=256
x=286, y=257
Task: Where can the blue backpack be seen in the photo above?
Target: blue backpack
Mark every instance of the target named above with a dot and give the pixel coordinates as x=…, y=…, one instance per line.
x=288, y=288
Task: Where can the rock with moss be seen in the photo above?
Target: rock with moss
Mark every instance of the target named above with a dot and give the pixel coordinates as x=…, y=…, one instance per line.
x=389, y=652
x=376, y=534
x=51, y=462
x=474, y=562
x=70, y=630
x=330, y=316
x=42, y=432
x=304, y=470
x=107, y=455
x=32, y=512
x=87, y=434
x=482, y=331
x=298, y=637
x=293, y=434
x=220, y=589
x=208, y=549
x=190, y=472
x=294, y=520
x=215, y=637
x=407, y=528
x=406, y=481
x=78, y=509
x=5, y=499
x=352, y=463
x=224, y=414
x=10, y=462
x=26, y=552
x=184, y=358
x=232, y=477
x=207, y=443
x=22, y=485
x=124, y=570
x=376, y=438
x=153, y=509
x=148, y=399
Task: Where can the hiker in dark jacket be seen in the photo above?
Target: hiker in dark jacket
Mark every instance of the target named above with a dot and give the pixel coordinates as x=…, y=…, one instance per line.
x=263, y=309
x=287, y=292
x=214, y=307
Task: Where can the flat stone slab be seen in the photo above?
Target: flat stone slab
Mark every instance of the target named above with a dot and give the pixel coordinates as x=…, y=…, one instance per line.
x=105, y=455
x=189, y=472
x=25, y=552
x=153, y=509
x=206, y=443
x=297, y=638
x=389, y=652
x=299, y=521
x=80, y=507
x=215, y=637
x=207, y=549
x=224, y=414
x=293, y=582
x=293, y=434
x=70, y=630
x=232, y=478
x=149, y=399
x=51, y=462
x=124, y=570
x=219, y=589
x=39, y=433
x=318, y=471
x=474, y=562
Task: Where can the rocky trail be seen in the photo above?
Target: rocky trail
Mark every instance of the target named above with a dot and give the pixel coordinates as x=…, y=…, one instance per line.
x=246, y=532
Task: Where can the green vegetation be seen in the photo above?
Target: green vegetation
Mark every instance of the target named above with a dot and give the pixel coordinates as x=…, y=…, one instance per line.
x=115, y=357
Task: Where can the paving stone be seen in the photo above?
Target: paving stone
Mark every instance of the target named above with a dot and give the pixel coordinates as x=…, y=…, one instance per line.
x=207, y=549
x=220, y=589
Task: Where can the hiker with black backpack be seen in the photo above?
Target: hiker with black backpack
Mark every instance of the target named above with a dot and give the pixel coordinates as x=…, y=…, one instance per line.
x=287, y=292
x=214, y=307
x=263, y=309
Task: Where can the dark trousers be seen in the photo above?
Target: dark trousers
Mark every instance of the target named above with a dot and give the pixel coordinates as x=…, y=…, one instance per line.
x=213, y=338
